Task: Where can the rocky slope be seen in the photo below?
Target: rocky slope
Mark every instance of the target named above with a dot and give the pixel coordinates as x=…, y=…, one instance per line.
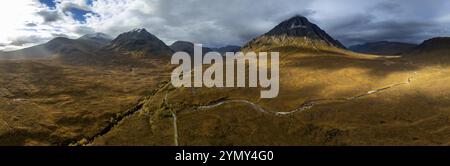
x=294, y=32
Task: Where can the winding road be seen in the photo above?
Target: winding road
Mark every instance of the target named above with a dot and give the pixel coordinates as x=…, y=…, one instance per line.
x=306, y=105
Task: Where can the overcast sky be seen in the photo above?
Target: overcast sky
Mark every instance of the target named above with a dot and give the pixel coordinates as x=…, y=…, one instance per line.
x=220, y=22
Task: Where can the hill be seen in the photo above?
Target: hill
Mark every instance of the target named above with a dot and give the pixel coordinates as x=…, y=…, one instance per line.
x=229, y=48
x=383, y=48
x=62, y=48
x=139, y=43
x=188, y=47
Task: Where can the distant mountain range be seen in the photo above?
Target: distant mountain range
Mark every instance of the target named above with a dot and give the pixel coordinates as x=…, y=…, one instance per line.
x=138, y=43
x=229, y=48
x=383, y=48
x=295, y=32
x=61, y=47
x=188, y=47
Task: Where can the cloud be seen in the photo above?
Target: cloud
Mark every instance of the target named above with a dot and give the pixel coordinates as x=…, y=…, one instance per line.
x=66, y=5
x=211, y=22
x=30, y=24
x=400, y=20
x=49, y=16
x=218, y=22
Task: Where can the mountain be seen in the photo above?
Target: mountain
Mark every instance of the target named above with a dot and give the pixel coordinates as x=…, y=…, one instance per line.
x=294, y=32
x=98, y=39
x=55, y=48
x=61, y=47
x=139, y=43
x=383, y=48
x=188, y=47
x=228, y=48
x=434, y=45
x=432, y=51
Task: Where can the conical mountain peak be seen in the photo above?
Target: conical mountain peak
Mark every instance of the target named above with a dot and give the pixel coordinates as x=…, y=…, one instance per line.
x=137, y=34
x=295, y=26
x=139, y=42
x=296, y=31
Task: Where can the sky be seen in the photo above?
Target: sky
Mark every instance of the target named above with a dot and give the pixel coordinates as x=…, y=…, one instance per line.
x=216, y=23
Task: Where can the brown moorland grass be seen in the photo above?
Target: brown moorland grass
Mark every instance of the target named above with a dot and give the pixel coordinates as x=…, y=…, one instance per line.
x=50, y=103
x=363, y=100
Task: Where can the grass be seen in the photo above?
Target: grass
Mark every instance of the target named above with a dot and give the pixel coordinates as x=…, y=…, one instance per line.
x=48, y=103
x=411, y=114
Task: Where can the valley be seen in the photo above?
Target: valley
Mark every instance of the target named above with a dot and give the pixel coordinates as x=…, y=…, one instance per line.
x=394, y=109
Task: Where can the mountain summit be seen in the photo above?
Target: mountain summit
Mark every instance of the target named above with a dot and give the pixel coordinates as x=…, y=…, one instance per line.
x=139, y=42
x=100, y=36
x=98, y=39
x=294, y=32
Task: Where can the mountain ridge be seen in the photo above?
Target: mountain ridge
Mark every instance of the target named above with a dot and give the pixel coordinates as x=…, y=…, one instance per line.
x=188, y=47
x=61, y=47
x=383, y=48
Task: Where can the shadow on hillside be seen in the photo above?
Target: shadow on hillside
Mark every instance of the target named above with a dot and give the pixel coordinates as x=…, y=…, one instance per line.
x=379, y=66
x=402, y=121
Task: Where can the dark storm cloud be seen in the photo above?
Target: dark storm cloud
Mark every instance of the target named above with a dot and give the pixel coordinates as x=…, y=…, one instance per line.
x=401, y=20
x=364, y=29
x=388, y=6
x=219, y=22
